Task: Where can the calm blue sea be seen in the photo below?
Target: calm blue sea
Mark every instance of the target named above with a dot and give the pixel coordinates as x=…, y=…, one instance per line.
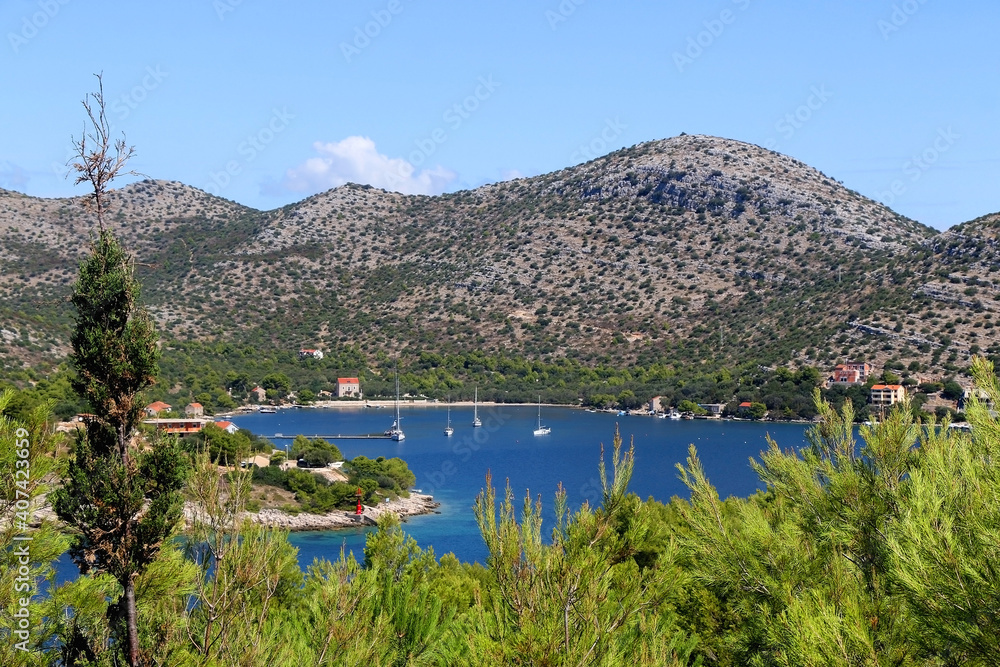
x=453, y=469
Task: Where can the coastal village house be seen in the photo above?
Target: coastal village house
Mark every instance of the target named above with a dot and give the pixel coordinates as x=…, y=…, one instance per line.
x=177, y=425
x=655, y=405
x=155, y=408
x=194, y=410
x=714, y=409
x=884, y=395
x=310, y=354
x=981, y=394
x=258, y=394
x=348, y=387
x=258, y=461
x=851, y=373
x=228, y=426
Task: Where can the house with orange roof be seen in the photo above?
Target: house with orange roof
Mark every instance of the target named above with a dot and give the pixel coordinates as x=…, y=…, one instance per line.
x=194, y=410
x=156, y=408
x=851, y=373
x=228, y=426
x=178, y=426
x=883, y=395
x=348, y=387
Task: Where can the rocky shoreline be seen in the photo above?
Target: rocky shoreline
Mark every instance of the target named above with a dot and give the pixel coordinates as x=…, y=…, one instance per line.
x=415, y=505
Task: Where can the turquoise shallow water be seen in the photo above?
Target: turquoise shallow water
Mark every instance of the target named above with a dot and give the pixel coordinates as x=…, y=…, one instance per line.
x=453, y=469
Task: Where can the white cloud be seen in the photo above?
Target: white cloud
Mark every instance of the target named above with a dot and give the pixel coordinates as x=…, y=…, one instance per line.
x=355, y=160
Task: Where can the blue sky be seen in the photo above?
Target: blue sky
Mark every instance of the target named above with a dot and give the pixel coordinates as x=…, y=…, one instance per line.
x=266, y=103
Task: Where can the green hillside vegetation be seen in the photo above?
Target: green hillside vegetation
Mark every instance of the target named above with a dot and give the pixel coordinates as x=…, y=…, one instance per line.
x=689, y=251
x=871, y=554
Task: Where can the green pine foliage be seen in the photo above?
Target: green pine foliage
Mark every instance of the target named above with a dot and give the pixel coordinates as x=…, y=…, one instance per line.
x=591, y=596
x=26, y=565
x=114, y=344
x=121, y=502
x=878, y=551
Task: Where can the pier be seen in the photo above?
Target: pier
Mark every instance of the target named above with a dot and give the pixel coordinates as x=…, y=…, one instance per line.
x=339, y=436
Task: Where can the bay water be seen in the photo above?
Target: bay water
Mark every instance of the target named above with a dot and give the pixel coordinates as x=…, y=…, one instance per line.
x=453, y=469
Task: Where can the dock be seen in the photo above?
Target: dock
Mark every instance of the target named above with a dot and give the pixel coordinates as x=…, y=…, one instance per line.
x=338, y=436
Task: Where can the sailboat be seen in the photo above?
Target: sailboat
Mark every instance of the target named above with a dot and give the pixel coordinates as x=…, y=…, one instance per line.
x=396, y=432
x=476, y=421
x=448, y=430
x=541, y=430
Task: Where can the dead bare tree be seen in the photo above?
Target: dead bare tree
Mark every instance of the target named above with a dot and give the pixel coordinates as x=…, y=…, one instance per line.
x=122, y=501
x=96, y=159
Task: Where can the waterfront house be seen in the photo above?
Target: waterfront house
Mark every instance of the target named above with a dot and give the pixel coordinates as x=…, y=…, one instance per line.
x=655, y=405
x=228, y=426
x=348, y=388
x=179, y=426
x=194, y=410
x=883, y=395
x=714, y=409
x=258, y=394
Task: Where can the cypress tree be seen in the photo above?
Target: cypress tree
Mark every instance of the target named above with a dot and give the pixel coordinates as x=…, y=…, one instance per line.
x=122, y=499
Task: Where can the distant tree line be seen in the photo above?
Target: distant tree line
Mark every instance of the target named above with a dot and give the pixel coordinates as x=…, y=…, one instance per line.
x=227, y=374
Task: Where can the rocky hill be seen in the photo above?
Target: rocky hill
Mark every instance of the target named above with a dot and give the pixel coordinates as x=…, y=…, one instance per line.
x=687, y=250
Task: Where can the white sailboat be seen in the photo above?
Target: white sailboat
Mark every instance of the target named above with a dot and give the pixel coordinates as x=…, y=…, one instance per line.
x=541, y=430
x=396, y=432
x=448, y=430
x=475, y=410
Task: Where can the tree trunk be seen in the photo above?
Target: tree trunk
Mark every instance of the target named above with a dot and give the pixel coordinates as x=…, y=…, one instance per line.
x=132, y=649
